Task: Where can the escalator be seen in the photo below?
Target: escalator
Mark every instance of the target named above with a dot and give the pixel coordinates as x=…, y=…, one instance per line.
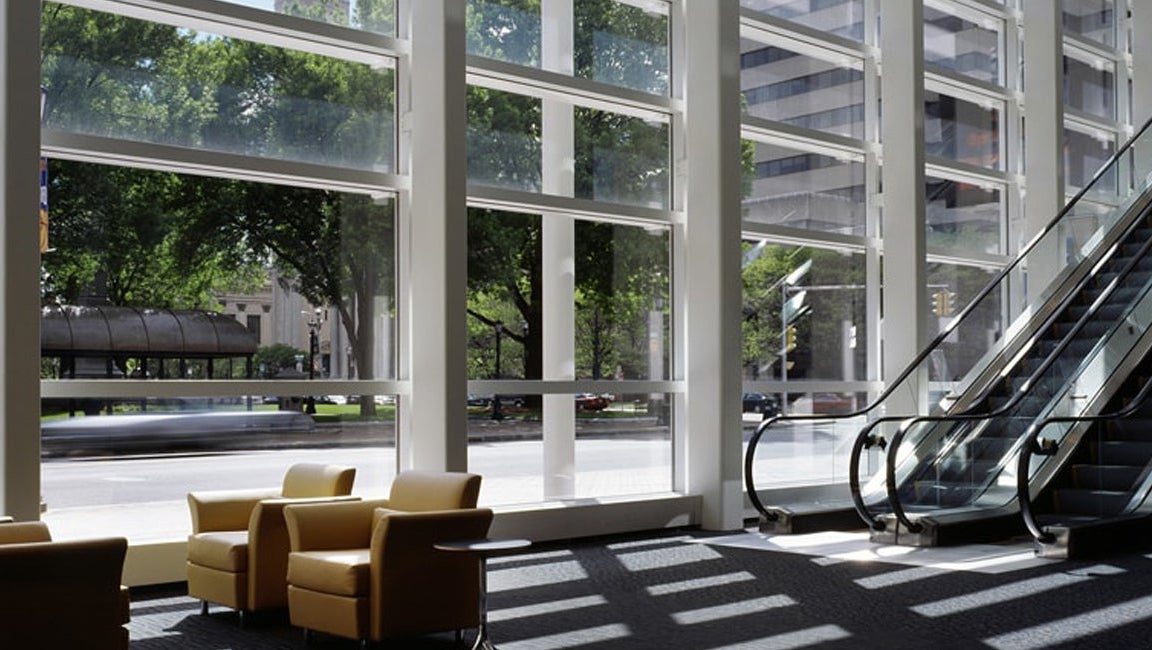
x=933, y=460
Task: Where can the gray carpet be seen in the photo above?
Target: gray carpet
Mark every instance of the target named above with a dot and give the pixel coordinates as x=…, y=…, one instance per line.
x=666, y=590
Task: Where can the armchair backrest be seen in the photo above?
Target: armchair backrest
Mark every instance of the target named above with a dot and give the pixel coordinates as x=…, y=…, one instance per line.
x=24, y=532
x=318, y=480
x=418, y=491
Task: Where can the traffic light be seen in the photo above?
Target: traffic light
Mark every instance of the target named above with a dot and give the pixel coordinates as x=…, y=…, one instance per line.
x=942, y=303
x=790, y=338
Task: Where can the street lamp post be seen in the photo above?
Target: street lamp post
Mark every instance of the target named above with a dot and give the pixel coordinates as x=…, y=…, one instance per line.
x=313, y=348
x=497, y=410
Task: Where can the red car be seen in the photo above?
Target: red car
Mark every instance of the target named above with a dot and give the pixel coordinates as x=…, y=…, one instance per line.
x=590, y=402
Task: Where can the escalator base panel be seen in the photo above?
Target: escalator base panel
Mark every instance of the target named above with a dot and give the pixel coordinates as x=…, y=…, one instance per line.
x=802, y=519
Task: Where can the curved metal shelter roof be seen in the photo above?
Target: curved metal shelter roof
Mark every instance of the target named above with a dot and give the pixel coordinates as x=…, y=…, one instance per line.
x=129, y=331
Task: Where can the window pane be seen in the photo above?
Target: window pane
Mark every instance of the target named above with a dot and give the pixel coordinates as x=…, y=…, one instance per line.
x=813, y=328
x=127, y=464
x=782, y=85
x=1089, y=88
x=1085, y=154
x=503, y=139
x=625, y=447
x=171, y=269
x=841, y=17
x=963, y=216
x=950, y=288
x=962, y=45
x=372, y=15
x=508, y=30
x=622, y=301
x=504, y=295
x=790, y=187
x=961, y=130
x=621, y=159
x=1092, y=19
x=118, y=77
x=621, y=44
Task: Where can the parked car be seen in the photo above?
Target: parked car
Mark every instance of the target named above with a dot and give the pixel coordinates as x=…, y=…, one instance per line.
x=591, y=402
x=479, y=400
x=833, y=403
x=766, y=405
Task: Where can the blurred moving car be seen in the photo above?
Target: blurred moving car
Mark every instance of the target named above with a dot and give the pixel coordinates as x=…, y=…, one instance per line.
x=591, y=402
x=766, y=405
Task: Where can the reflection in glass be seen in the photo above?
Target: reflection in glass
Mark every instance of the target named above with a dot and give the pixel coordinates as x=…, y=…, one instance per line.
x=803, y=324
x=621, y=159
x=962, y=216
x=961, y=45
x=371, y=15
x=786, y=86
x=1095, y=20
x=950, y=288
x=503, y=139
x=621, y=44
x=961, y=130
x=307, y=275
x=1084, y=154
x=119, y=77
x=798, y=189
x=508, y=30
x=841, y=17
x=622, y=301
x=1089, y=88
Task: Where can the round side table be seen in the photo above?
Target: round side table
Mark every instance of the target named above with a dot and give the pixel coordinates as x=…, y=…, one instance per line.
x=483, y=549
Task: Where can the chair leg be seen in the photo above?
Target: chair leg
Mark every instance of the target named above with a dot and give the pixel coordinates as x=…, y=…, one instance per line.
x=203, y=608
x=243, y=617
x=307, y=636
x=363, y=644
x=459, y=636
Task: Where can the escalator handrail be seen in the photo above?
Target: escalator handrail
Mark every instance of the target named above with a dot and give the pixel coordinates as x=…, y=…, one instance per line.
x=753, y=442
x=864, y=440
x=1022, y=392
x=1033, y=445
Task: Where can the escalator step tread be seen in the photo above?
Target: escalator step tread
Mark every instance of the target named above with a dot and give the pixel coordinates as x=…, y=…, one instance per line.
x=1105, y=477
x=1123, y=452
x=1090, y=502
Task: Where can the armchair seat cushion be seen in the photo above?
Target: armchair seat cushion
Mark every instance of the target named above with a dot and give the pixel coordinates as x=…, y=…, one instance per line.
x=341, y=572
x=225, y=550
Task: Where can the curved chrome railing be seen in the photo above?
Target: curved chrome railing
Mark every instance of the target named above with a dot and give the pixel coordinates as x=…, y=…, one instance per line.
x=1021, y=393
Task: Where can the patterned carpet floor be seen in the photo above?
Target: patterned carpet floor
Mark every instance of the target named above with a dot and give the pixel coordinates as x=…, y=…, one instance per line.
x=689, y=589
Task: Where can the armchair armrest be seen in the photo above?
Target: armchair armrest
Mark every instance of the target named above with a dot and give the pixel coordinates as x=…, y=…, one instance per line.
x=24, y=532
x=330, y=526
x=225, y=509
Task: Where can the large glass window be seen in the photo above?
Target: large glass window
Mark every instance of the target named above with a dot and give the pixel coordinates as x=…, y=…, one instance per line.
x=503, y=139
x=372, y=15
x=804, y=313
x=1094, y=20
x=799, y=189
x=1090, y=87
x=963, y=45
x=950, y=288
x=840, y=17
x=787, y=86
x=173, y=86
x=508, y=30
x=622, y=332
x=156, y=275
x=963, y=216
x=962, y=130
x=622, y=44
x=1086, y=152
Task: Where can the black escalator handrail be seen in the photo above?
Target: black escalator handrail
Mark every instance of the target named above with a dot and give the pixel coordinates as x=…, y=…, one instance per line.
x=1032, y=445
x=749, y=480
x=865, y=440
x=890, y=470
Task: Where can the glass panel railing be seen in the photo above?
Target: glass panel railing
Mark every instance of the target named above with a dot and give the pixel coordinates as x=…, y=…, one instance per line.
x=1075, y=366
x=998, y=322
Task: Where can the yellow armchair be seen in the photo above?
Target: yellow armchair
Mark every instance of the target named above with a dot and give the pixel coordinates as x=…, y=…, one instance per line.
x=368, y=570
x=61, y=594
x=238, y=550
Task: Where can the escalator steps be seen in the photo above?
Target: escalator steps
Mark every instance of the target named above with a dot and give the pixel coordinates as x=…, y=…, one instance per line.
x=1090, y=502
x=1106, y=477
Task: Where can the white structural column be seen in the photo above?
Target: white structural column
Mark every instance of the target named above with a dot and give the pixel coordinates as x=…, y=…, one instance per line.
x=712, y=287
x=558, y=265
x=1043, y=132
x=20, y=260
x=904, y=331
x=1142, y=85
x=437, y=426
